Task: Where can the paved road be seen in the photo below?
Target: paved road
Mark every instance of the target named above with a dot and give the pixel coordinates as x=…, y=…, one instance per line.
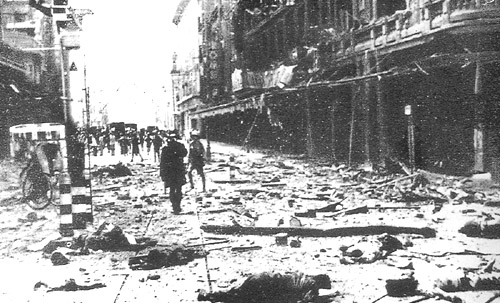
x=22, y=268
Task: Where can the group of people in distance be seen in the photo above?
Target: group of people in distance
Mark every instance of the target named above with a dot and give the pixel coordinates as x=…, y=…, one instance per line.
x=172, y=168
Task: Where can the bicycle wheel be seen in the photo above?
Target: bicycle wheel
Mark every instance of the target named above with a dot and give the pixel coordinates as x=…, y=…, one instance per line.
x=39, y=195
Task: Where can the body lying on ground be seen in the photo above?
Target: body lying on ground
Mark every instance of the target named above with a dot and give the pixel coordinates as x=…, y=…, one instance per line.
x=272, y=287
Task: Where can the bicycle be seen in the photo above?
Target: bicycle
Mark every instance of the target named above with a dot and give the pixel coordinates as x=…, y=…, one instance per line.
x=39, y=189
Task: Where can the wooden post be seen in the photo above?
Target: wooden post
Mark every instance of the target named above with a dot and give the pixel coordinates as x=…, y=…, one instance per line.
x=310, y=142
x=276, y=44
x=286, y=42
x=208, y=152
x=411, y=138
x=336, y=16
x=334, y=145
x=306, y=17
x=296, y=27
x=365, y=106
x=354, y=107
x=329, y=17
x=478, y=121
x=383, y=145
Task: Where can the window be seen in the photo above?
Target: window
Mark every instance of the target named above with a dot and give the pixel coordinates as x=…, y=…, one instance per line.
x=42, y=136
x=389, y=7
x=19, y=17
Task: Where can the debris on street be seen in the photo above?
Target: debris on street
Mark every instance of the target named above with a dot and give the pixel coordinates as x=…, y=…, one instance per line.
x=113, y=171
x=272, y=287
x=175, y=254
x=110, y=237
x=315, y=232
x=71, y=285
x=409, y=236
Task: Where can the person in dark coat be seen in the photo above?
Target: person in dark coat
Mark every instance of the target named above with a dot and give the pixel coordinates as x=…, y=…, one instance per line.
x=172, y=169
x=135, y=147
x=196, y=158
x=157, y=143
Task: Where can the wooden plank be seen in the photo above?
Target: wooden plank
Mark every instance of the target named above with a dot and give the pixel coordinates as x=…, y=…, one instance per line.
x=316, y=232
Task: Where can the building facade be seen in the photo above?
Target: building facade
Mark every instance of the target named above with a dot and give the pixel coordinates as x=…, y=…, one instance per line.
x=26, y=90
x=363, y=81
x=186, y=66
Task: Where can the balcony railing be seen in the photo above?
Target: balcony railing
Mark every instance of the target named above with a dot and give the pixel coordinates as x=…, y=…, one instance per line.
x=431, y=16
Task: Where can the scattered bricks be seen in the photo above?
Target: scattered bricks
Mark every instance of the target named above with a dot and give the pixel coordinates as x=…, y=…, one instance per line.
x=125, y=196
x=32, y=217
x=53, y=245
x=295, y=243
x=401, y=287
x=311, y=213
x=294, y=222
x=58, y=258
x=282, y=239
x=153, y=277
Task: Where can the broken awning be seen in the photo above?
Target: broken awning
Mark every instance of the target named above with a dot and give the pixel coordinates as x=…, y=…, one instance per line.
x=180, y=11
x=255, y=102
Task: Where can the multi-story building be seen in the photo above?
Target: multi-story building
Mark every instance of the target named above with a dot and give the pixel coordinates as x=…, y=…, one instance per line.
x=186, y=71
x=25, y=94
x=358, y=80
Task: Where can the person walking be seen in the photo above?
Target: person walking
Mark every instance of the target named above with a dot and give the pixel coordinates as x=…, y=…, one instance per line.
x=112, y=143
x=172, y=169
x=135, y=146
x=157, y=143
x=149, y=141
x=196, y=158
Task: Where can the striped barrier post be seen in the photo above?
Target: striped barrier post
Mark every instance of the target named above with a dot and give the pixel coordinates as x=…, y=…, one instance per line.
x=65, y=206
x=82, y=200
x=76, y=199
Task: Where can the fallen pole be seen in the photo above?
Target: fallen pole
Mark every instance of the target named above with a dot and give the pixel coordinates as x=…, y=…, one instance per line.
x=316, y=232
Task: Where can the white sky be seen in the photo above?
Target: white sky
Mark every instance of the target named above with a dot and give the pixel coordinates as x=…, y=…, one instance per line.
x=127, y=47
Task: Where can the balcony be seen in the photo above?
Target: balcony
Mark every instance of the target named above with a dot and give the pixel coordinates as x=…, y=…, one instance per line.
x=432, y=17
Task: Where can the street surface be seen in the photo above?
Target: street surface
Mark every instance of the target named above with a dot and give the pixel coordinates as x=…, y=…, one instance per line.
x=267, y=191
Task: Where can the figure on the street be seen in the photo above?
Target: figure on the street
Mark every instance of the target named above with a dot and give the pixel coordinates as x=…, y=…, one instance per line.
x=94, y=144
x=141, y=138
x=196, y=158
x=112, y=143
x=172, y=169
x=135, y=147
x=149, y=141
x=124, y=142
x=157, y=143
x=272, y=287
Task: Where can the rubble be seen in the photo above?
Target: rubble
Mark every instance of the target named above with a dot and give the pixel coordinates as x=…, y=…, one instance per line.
x=337, y=207
x=401, y=287
x=174, y=254
x=113, y=171
x=272, y=287
x=482, y=229
x=317, y=232
x=110, y=237
x=366, y=252
x=59, y=258
x=71, y=285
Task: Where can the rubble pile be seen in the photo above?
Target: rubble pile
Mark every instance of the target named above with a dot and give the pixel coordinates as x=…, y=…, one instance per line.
x=175, y=254
x=373, y=232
